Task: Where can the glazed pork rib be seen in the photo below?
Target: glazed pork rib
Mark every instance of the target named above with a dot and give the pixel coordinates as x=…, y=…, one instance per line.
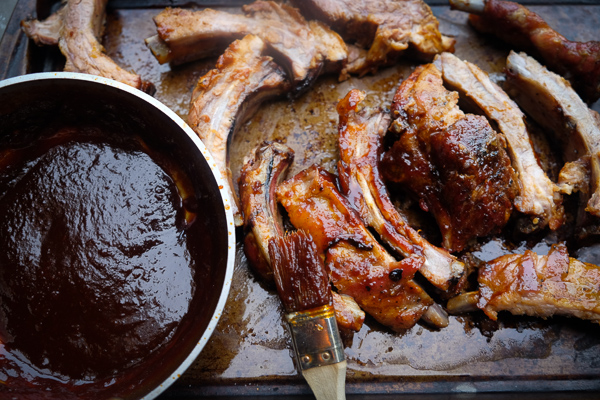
x=538, y=196
x=229, y=94
x=387, y=29
x=552, y=103
x=359, y=266
x=76, y=29
x=540, y=286
x=305, y=48
x=260, y=176
x=577, y=61
x=361, y=132
x=455, y=164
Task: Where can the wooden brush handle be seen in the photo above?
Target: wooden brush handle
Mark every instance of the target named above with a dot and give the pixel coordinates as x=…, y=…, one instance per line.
x=327, y=382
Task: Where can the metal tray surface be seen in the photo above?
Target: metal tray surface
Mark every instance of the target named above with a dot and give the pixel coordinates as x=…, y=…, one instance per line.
x=250, y=352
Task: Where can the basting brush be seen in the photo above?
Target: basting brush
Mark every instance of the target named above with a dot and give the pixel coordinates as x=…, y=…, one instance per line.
x=303, y=287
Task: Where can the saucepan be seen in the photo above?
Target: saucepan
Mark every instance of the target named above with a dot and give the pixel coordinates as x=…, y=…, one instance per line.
x=28, y=105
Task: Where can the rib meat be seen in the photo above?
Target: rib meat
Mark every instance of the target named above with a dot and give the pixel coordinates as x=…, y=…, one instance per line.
x=551, y=101
x=359, y=266
x=305, y=48
x=455, y=164
x=540, y=286
x=579, y=62
x=361, y=132
x=386, y=28
x=538, y=196
x=229, y=94
x=260, y=176
x=46, y=32
x=76, y=28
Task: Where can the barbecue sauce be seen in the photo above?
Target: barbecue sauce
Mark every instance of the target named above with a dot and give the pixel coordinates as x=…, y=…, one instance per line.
x=95, y=268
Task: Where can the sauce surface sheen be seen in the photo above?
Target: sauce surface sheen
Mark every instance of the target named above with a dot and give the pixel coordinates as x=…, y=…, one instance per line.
x=95, y=270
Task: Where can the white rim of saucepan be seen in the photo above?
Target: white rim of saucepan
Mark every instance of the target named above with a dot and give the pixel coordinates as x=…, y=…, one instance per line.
x=220, y=182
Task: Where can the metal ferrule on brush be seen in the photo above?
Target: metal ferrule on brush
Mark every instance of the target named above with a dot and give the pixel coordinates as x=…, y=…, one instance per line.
x=316, y=337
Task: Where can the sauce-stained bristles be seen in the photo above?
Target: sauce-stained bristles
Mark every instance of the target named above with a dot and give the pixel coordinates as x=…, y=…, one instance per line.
x=300, y=275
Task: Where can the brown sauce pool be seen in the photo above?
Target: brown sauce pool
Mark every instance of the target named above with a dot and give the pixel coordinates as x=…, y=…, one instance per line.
x=99, y=261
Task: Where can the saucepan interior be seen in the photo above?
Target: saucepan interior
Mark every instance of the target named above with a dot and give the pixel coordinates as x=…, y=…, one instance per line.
x=31, y=101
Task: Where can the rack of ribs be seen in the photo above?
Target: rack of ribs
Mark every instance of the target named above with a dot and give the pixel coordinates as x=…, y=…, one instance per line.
x=538, y=196
x=579, y=62
x=361, y=132
x=540, y=286
x=551, y=102
x=388, y=29
x=260, y=176
x=455, y=164
x=358, y=265
x=76, y=29
x=229, y=94
x=304, y=48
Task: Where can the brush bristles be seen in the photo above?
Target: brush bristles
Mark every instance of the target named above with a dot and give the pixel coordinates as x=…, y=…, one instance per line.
x=300, y=275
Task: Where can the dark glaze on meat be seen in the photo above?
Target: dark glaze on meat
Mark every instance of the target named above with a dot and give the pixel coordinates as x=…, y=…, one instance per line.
x=454, y=164
x=96, y=271
x=359, y=266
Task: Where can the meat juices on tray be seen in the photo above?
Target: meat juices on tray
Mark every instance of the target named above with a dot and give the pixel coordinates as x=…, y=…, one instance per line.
x=455, y=164
x=361, y=133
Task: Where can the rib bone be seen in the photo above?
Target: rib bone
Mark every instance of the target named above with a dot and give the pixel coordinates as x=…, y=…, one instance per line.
x=260, y=176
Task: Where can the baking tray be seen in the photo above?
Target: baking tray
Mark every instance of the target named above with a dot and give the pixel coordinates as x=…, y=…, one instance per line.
x=249, y=353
